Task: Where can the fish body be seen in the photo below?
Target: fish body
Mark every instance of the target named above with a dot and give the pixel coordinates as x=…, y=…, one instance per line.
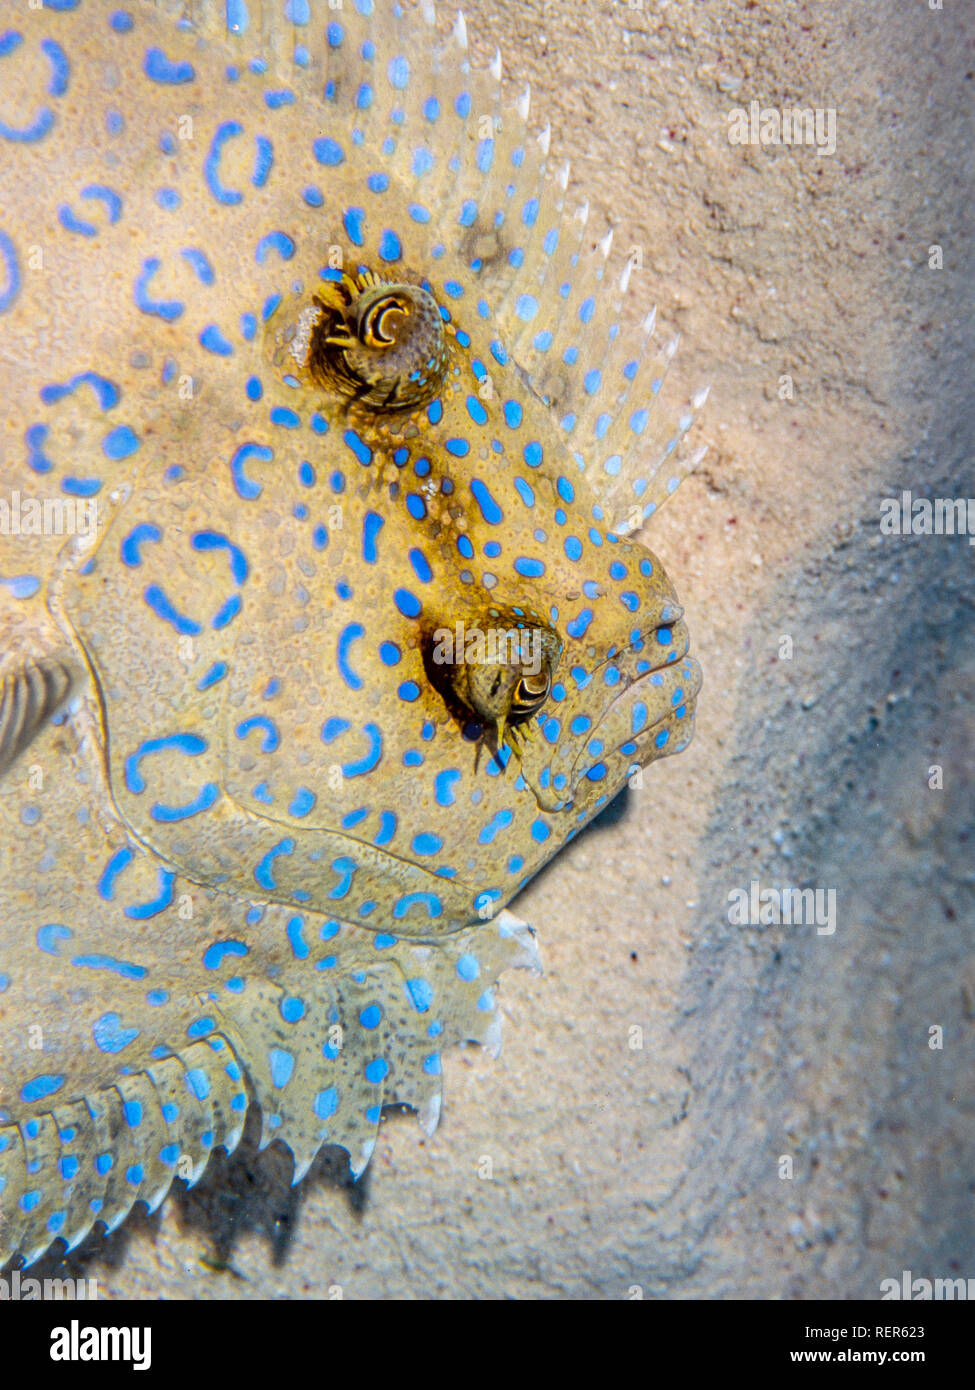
x=355, y=638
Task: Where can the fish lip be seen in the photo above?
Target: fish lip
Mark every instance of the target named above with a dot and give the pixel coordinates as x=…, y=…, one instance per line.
x=684, y=671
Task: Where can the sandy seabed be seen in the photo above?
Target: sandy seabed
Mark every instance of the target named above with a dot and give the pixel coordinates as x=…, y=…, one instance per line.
x=790, y=1126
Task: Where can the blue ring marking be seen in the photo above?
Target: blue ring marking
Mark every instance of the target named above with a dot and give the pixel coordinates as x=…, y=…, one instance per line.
x=371, y=526
x=8, y=253
x=430, y=900
x=158, y=68
x=387, y=828
x=125, y=968
x=349, y=634
x=274, y=241
x=39, y=1087
x=44, y=119
x=109, y=1034
x=271, y=738
x=161, y=606
x=211, y=165
x=139, y=912
x=443, y=786
x=369, y=760
x=490, y=510
x=51, y=933
x=204, y=799
x=263, y=163
x=214, y=341
x=345, y=868
x=190, y=744
x=119, y=861
x=214, y=954
x=200, y=264
x=215, y=540
x=246, y=487
x=262, y=873
x=168, y=309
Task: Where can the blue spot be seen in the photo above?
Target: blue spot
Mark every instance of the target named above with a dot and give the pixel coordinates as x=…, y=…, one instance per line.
x=468, y=967
x=371, y=526
x=332, y=728
x=326, y=1103
x=408, y=604
x=201, y=266
x=282, y=1066
x=161, y=606
x=109, y=1034
x=274, y=241
x=427, y=844
x=362, y=451
x=443, y=784
x=158, y=68
x=120, y=443
x=530, y=569
x=213, y=956
x=328, y=152
x=490, y=510
x=214, y=341
x=41, y=1086
x=302, y=802
x=11, y=288
x=390, y=247
x=578, y=626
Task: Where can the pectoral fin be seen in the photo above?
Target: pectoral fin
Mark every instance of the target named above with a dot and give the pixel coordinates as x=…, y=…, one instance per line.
x=31, y=691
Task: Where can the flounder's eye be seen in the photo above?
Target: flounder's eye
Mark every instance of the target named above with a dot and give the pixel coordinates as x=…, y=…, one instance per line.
x=499, y=673
x=378, y=343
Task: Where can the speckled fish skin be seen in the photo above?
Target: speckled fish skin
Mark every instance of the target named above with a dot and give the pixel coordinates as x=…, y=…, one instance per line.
x=260, y=856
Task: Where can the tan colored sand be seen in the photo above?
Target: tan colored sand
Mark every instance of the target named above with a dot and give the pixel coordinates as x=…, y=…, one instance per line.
x=615, y=1167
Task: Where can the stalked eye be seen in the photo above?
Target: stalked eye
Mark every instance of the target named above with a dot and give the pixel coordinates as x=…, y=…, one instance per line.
x=530, y=694
x=379, y=344
x=498, y=671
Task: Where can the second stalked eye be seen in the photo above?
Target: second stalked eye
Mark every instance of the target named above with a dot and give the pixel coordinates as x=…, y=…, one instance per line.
x=497, y=671
x=379, y=343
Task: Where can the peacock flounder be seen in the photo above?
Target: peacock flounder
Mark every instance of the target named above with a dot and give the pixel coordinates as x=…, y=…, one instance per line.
x=321, y=630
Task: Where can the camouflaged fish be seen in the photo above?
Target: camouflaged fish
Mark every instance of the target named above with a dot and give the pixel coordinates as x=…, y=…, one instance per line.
x=321, y=627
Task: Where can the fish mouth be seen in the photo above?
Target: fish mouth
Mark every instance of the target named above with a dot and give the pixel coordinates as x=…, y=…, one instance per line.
x=651, y=717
